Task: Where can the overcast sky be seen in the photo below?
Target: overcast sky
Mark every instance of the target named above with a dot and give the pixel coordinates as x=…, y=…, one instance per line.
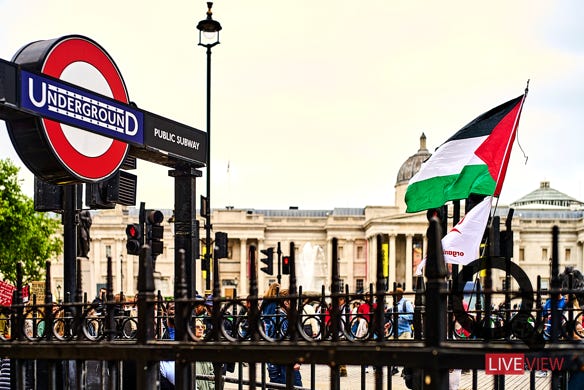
x=316, y=104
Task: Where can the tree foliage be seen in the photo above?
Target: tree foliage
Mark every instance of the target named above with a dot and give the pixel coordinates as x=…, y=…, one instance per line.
x=25, y=235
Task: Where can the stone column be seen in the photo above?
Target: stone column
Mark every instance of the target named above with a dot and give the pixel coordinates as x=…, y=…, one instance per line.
x=371, y=261
x=88, y=285
x=329, y=261
x=117, y=268
x=349, y=254
x=98, y=256
x=409, y=261
x=243, y=287
x=128, y=276
x=579, y=254
x=392, y=260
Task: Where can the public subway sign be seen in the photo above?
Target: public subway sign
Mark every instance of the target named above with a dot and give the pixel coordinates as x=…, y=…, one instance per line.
x=174, y=138
x=70, y=119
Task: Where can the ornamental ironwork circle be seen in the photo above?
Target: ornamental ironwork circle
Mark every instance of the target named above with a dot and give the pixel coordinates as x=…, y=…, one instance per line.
x=521, y=325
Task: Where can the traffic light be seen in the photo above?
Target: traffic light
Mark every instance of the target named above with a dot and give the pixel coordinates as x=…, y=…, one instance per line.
x=268, y=261
x=134, y=238
x=221, y=245
x=155, y=231
x=286, y=265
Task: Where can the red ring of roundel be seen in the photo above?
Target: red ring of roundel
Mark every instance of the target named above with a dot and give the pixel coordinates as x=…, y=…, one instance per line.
x=62, y=55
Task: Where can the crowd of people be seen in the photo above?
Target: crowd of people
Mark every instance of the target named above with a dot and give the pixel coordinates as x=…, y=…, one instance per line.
x=355, y=322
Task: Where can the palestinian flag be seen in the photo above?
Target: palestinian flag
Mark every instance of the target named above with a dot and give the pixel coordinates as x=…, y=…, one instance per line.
x=472, y=161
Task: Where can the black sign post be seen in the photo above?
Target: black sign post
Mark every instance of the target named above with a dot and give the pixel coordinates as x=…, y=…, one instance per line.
x=186, y=232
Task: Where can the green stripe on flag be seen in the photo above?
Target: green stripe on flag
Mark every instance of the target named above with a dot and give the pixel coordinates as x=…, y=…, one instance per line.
x=435, y=192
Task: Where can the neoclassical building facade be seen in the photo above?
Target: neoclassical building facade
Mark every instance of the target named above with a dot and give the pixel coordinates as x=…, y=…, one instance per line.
x=312, y=233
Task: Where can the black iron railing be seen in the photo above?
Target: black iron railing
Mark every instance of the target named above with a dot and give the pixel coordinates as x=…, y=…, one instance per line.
x=50, y=345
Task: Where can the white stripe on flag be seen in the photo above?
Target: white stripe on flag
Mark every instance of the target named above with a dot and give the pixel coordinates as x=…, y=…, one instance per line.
x=450, y=158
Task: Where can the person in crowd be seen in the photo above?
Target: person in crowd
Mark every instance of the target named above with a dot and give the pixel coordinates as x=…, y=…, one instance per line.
x=573, y=306
x=269, y=309
x=354, y=319
x=100, y=300
x=345, y=314
x=5, y=324
x=203, y=368
x=363, y=318
x=454, y=375
x=166, y=366
x=206, y=317
x=343, y=331
x=277, y=372
x=310, y=324
x=361, y=321
x=547, y=314
x=5, y=374
x=203, y=310
x=242, y=319
x=92, y=324
x=405, y=318
x=576, y=380
x=460, y=332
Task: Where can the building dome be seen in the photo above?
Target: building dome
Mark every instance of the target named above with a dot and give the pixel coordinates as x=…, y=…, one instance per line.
x=547, y=197
x=412, y=165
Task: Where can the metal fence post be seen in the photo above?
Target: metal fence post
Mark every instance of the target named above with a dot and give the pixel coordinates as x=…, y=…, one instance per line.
x=183, y=379
x=335, y=313
x=146, y=371
x=419, y=307
x=378, y=326
x=435, y=321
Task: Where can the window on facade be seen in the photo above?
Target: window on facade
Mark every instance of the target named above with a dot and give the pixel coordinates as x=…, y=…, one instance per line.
x=108, y=251
x=545, y=283
x=360, y=252
x=340, y=252
x=521, y=254
x=342, y=284
x=568, y=255
x=359, y=285
x=544, y=254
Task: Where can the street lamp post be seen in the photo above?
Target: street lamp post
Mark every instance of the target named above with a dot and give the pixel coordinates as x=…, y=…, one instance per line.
x=209, y=37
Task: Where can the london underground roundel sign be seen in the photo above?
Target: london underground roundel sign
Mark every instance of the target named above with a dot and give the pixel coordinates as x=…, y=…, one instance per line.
x=61, y=153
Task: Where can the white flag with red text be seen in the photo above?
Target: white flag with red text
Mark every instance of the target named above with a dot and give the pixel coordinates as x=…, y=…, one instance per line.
x=461, y=245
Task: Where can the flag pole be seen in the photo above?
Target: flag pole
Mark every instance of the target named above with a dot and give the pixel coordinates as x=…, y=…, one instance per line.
x=509, y=142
